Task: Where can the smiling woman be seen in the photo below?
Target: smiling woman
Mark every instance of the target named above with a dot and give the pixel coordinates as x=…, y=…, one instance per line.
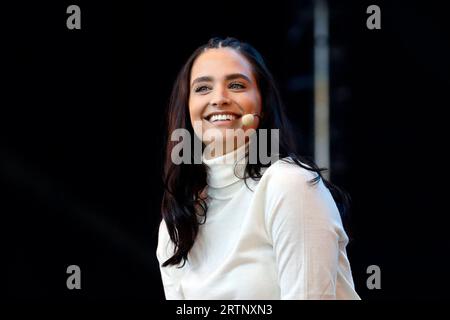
x=233, y=229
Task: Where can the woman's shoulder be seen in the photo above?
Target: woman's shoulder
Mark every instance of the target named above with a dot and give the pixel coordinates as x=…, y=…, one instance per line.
x=288, y=185
x=286, y=172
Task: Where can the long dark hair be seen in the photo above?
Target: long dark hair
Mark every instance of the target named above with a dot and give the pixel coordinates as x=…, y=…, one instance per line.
x=183, y=203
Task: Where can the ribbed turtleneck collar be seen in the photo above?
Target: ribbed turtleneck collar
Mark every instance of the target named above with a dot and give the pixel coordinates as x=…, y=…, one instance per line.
x=225, y=171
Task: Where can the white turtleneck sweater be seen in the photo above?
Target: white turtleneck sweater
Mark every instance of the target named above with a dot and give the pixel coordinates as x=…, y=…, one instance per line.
x=283, y=240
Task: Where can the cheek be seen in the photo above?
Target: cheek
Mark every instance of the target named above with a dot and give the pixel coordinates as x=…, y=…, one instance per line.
x=251, y=102
x=195, y=107
x=195, y=117
x=193, y=113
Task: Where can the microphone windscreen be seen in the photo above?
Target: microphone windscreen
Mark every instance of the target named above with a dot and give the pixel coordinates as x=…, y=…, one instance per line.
x=247, y=120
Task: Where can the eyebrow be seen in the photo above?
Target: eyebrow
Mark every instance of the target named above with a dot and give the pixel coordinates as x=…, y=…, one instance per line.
x=232, y=76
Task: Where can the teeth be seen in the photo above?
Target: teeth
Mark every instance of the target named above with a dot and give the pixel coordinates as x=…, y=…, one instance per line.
x=222, y=117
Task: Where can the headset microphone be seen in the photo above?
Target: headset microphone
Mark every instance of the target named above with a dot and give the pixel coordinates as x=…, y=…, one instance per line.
x=248, y=119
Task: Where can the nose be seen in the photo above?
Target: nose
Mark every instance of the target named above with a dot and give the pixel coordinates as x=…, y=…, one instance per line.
x=220, y=98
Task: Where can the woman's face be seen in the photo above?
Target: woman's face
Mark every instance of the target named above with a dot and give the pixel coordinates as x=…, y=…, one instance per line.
x=222, y=83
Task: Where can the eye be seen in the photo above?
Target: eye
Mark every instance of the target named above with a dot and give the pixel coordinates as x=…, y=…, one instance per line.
x=201, y=89
x=236, y=85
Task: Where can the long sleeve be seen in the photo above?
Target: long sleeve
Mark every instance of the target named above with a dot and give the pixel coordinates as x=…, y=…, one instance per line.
x=168, y=274
x=306, y=233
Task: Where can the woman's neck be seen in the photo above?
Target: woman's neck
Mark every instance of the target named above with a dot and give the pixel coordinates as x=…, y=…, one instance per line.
x=215, y=150
x=225, y=171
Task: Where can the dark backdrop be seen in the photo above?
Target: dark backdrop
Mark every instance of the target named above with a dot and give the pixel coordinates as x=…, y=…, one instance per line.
x=81, y=136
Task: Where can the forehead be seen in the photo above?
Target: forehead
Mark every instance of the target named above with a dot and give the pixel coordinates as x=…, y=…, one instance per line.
x=220, y=62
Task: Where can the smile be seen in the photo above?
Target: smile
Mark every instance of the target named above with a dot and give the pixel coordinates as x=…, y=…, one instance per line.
x=221, y=117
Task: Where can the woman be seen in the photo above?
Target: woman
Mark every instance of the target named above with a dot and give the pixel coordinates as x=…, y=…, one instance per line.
x=233, y=229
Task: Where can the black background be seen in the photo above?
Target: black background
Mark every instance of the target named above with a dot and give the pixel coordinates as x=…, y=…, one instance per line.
x=81, y=136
